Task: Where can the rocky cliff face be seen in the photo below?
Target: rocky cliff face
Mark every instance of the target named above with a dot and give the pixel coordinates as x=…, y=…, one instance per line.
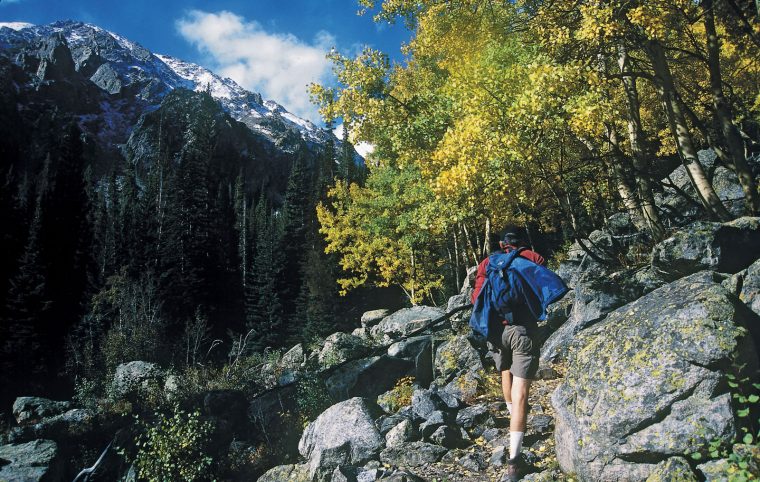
x=106, y=82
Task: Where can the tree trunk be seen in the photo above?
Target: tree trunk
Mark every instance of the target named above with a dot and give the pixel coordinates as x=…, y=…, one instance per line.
x=456, y=257
x=682, y=135
x=640, y=149
x=487, y=240
x=725, y=116
x=622, y=171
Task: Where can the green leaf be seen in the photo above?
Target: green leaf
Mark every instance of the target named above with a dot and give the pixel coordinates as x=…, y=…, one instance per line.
x=733, y=384
x=753, y=398
x=696, y=456
x=743, y=412
x=743, y=465
x=748, y=438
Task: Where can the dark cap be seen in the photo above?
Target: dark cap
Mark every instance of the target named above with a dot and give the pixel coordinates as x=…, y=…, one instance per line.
x=510, y=237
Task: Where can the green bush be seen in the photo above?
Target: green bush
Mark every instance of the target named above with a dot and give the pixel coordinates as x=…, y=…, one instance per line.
x=399, y=396
x=312, y=398
x=173, y=448
x=740, y=457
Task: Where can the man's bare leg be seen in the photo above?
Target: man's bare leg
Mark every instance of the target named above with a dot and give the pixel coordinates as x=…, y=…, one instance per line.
x=519, y=396
x=506, y=389
x=518, y=420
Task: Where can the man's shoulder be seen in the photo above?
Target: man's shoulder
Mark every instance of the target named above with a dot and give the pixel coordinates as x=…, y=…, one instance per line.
x=532, y=255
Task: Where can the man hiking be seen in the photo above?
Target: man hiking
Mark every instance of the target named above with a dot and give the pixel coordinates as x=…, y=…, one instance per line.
x=514, y=348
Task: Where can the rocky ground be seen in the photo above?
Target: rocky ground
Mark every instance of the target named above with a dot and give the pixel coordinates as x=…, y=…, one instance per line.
x=648, y=373
x=483, y=461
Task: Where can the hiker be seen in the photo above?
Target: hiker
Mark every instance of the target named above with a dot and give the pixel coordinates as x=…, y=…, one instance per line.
x=514, y=348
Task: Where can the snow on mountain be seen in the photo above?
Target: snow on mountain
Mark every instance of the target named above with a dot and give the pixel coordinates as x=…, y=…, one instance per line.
x=158, y=74
x=16, y=25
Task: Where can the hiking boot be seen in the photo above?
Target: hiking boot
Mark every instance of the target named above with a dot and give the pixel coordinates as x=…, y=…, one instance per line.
x=513, y=470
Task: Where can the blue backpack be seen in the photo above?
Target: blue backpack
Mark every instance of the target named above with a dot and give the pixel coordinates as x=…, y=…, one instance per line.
x=514, y=283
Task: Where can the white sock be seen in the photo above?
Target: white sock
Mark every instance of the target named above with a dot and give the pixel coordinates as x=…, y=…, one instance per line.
x=515, y=444
x=509, y=407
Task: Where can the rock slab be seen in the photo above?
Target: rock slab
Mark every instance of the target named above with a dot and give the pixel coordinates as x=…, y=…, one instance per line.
x=344, y=434
x=644, y=384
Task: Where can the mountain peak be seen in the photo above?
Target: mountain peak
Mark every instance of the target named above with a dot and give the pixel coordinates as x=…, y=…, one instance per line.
x=16, y=25
x=132, y=67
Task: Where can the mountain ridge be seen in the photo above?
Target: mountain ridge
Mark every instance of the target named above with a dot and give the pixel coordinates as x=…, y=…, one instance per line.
x=114, y=62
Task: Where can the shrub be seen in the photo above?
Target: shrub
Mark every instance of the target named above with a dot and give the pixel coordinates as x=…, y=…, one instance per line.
x=173, y=448
x=741, y=455
x=312, y=398
x=399, y=396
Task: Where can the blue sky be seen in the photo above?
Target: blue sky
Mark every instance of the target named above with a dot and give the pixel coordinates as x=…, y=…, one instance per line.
x=272, y=47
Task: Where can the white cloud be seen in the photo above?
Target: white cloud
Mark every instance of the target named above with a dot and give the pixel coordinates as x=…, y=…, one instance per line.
x=8, y=2
x=279, y=66
x=363, y=148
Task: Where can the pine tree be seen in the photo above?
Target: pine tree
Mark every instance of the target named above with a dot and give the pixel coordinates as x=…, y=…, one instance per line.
x=28, y=305
x=346, y=166
x=64, y=236
x=264, y=309
x=293, y=243
x=241, y=227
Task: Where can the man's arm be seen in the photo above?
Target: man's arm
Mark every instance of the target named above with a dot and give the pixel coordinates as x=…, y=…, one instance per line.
x=480, y=278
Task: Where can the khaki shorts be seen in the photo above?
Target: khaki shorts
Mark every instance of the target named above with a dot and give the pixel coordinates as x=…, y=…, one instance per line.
x=515, y=349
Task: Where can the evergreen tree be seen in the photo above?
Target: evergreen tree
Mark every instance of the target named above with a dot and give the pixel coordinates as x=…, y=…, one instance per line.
x=293, y=242
x=346, y=166
x=22, y=332
x=264, y=309
x=317, y=301
x=241, y=228
x=326, y=166
x=64, y=235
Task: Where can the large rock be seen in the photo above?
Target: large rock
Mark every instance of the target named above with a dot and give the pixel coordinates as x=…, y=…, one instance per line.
x=340, y=347
x=403, y=322
x=372, y=318
x=400, y=434
x=291, y=473
x=468, y=285
x=679, y=199
x=425, y=402
x=646, y=383
x=107, y=79
x=464, y=387
x=34, y=409
x=368, y=377
x=456, y=355
x=673, y=469
x=728, y=248
x=594, y=297
x=750, y=291
x=729, y=191
x=415, y=454
x=417, y=349
x=73, y=425
x=134, y=376
x=56, y=62
x=459, y=319
x=29, y=462
x=579, y=262
x=343, y=434
x=293, y=358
